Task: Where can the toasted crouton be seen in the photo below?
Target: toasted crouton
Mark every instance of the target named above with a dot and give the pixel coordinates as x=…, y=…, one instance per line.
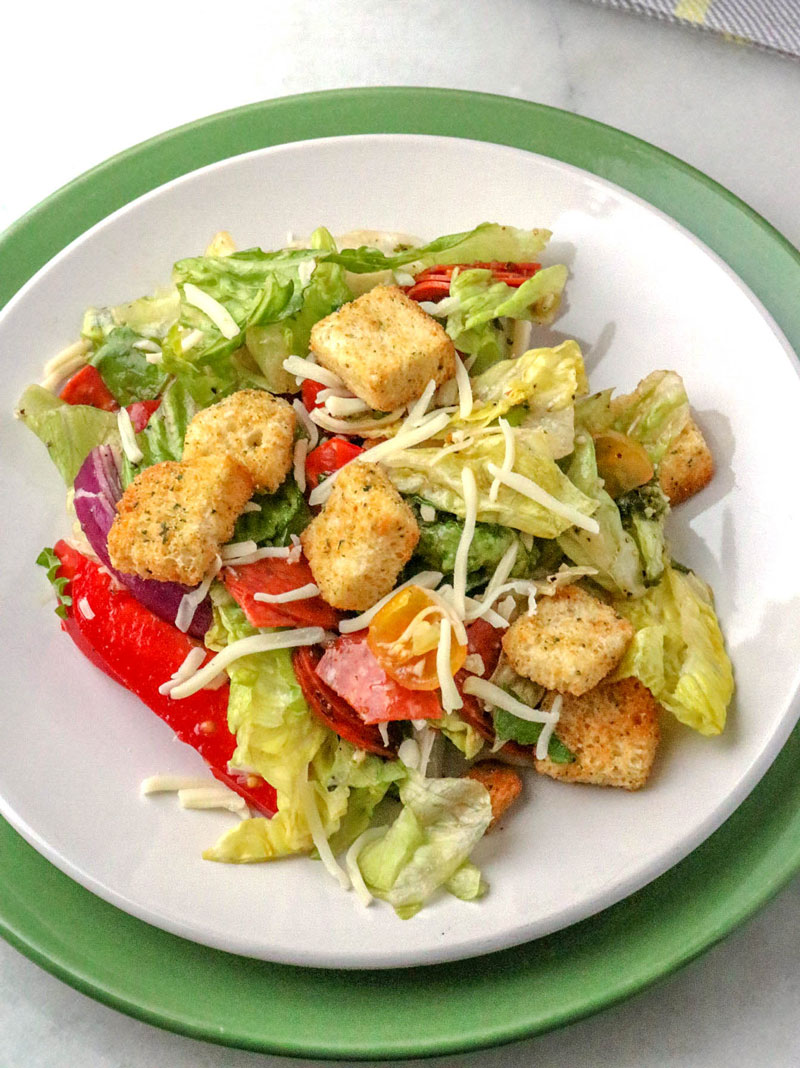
x=384, y=347
x=613, y=732
x=503, y=784
x=173, y=517
x=569, y=643
x=687, y=466
x=252, y=427
x=361, y=540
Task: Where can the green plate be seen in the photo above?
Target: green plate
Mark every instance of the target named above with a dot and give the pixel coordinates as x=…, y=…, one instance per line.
x=446, y=1008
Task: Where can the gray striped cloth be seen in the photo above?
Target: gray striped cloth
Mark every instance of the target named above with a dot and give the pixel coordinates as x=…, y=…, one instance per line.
x=771, y=24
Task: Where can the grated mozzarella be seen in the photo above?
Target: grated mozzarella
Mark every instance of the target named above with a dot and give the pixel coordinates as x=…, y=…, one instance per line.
x=351, y=862
x=302, y=368
x=314, y=822
x=427, y=513
x=508, y=458
x=474, y=664
x=428, y=738
x=194, y=658
x=251, y=506
x=300, y=594
x=85, y=608
x=170, y=784
x=506, y=607
x=409, y=753
x=128, y=437
x=191, y=601
x=146, y=345
x=217, y=796
x=216, y=312
x=64, y=364
x=256, y=643
x=528, y=488
x=420, y=406
x=470, y=488
x=543, y=741
x=383, y=730
x=465, y=400
x=428, y=580
x=352, y=426
x=340, y=407
x=194, y=337
x=154, y=357
x=310, y=428
x=451, y=698
x=234, y=549
x=493, y=695
x=299, y=463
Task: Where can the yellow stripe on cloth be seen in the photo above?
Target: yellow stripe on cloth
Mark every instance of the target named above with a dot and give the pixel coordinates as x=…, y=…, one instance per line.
x=692, y=10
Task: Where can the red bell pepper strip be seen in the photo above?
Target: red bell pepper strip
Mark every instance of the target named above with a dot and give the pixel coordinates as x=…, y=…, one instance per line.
x=434, y=282
x=329, y=457
x=274, y=575
x=140, y=412
x=333, y=710
x=351, y=669
x=87, y=387
x=140, y=651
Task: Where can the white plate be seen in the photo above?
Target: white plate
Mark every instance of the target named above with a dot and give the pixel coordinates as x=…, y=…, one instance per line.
x=643, y=294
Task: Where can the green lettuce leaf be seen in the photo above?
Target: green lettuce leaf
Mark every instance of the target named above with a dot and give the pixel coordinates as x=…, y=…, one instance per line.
x=69, y=431
x=678, y=651
x=162, y=438
x=612, y=551
x=463, y=736
x=509, y=727
x=283, y=513
x=125, y=369
x=436, y=476
x=643, y=511
x=439, y=825
x=150, y=317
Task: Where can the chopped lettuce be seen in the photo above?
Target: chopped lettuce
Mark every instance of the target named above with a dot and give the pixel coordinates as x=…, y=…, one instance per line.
x=125, y=369
x=150, y=317
x=282, y=513
x=70, y=431
x=162, y=438
x=463, y=736
x=422, y=850
x=643, y=512
x=612, y=551
x=512, y=728
x=678, y=651
x=654, y=414
x=435, y=475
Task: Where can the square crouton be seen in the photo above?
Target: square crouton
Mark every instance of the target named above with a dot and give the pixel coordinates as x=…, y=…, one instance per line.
x=569, y=643
x=361, y=540
x=613, y=732
x=687, y=466
x=502, y=783
x=384, y=348
x=173, y=517
x=252, y=427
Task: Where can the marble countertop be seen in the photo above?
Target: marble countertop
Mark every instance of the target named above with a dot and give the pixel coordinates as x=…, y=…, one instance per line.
x=98, y=78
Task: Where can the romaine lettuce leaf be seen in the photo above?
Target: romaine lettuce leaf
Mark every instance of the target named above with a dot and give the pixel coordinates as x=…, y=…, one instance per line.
x=439, y=825
x=436, y=476
x=70, y=431
x=678, y=651
x=125, y=369
x=283, y=513
x=150, y=317
x=612, y=551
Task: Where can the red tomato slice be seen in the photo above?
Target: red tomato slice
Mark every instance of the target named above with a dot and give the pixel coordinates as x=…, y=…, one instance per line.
x=87, y=387
x=334, y=711
x=329, y=457
x=309, y=392
x=140, y=651
x=351, y=670
x=486, y=641
x=278, y=576
x=140, y=412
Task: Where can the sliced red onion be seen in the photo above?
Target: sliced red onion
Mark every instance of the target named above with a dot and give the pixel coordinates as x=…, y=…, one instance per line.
x=98, y=487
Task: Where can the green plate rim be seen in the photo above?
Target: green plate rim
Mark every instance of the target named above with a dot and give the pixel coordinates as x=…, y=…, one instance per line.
x=520, y=992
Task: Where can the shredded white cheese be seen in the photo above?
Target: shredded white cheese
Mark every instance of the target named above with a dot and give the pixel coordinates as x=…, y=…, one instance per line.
x=428, y=580
x=420, y=406
x=427, y=513
x=146, y=345
x=234, y=549
x=465, y=400
x=543, y=741
x=217, y=796
x=521, y=340
x=170, y=784
x=128, y=437
x=299, y=463
x=352, y=426
x=154, y=357
x=194, y=337
x=85, y=608
x=427, y=740
x=383, y=730
x=474, y=664
x=64, y=364
x=451, y=698
x=351, y=862
x=311, y=812
x=191, y=663
x=470, y=488
x=302, y=593
x=493, y=695
x=191, y=601
x=251, y=506
x=506, y=608
x=409, y=753
x=528, y=488
x=256, y=643
x=216, y=312
x=309, y=427
x=340, y=407
x=279, y=552
x=508, y=459
x=302, y=368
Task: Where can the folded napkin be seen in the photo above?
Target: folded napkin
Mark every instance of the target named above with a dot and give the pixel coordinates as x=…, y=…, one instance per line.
x=772, y=24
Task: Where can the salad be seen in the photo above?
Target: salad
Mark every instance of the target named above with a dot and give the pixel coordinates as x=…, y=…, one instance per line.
x=373, y=549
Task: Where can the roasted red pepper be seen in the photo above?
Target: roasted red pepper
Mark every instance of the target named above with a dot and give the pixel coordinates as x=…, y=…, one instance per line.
x=329, y=457
x=87, y=387
x=309, y=393
x=140, y=651
x=278, y=576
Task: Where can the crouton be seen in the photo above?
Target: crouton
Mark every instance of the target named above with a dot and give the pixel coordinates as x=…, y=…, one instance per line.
x=503, y=784
x=384, y=347
x=251, y=426
x=569, y=643
x=173, y=517
x=687, y=466
x=361, y=540
x=613, y=732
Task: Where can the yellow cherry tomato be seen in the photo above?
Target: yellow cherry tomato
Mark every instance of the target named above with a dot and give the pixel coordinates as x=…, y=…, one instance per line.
x=404, y=638
x=622, y=463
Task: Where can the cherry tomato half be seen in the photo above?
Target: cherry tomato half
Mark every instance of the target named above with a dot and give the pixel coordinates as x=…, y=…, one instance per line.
x=404, y=638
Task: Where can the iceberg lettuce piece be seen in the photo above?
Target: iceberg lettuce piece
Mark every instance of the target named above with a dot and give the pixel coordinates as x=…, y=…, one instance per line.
x=70, y=431
x=678, y=651
x=425, y=847
x=612, y=551
x=151, y=317
x=435, y=475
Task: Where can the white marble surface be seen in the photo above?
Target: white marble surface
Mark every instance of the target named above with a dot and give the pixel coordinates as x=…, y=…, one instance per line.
x=90, y=79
